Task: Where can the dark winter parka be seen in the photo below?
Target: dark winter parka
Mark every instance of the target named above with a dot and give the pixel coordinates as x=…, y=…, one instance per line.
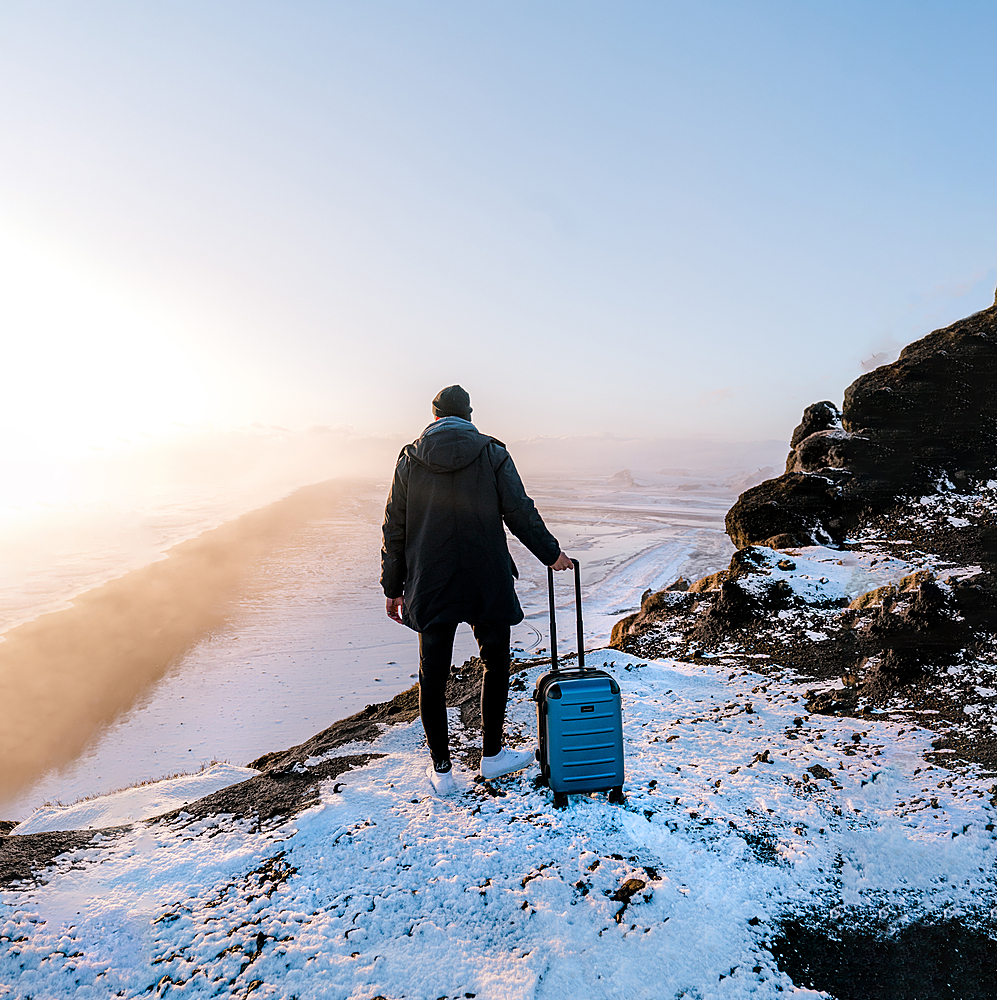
x=444, y=544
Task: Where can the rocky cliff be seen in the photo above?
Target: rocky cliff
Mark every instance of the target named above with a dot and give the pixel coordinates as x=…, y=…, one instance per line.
x=870, y=565
x=928, y=419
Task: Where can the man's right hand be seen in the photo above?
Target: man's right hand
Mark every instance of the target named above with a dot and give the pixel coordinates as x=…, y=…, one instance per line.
x=393, y=606
x=562, y=562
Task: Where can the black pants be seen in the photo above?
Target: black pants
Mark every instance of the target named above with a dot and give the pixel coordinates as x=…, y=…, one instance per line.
x=435, y=656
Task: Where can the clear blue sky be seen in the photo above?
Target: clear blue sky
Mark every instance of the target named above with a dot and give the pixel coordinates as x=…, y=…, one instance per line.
x=661, y=219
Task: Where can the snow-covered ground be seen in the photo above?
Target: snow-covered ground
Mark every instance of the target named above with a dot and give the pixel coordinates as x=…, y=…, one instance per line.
x=821, y=576
x=741, y=811
x=132, y=804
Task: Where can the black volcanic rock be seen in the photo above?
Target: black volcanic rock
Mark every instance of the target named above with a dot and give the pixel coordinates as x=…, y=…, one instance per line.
x=934, y=410
x=796, y=508
x=817, y=417
x=929, y=416
x=922, y=631
x=732, y=608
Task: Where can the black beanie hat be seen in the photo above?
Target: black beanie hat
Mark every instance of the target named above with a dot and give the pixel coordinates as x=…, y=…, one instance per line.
x=452, y=401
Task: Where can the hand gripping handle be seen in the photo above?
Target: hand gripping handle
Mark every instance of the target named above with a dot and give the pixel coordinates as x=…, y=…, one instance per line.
x=578, y=614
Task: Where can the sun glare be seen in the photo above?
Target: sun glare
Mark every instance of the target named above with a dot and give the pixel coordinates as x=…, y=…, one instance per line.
x=87, y=368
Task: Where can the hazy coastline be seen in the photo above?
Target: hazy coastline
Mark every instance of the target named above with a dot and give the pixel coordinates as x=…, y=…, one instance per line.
x=66, y=674
x=261, y=631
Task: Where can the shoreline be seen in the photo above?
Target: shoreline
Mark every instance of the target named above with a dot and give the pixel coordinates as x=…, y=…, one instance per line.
x=286, y=784
x=67, y=674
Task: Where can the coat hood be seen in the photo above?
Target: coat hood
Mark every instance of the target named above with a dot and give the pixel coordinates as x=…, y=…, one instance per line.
x=447, y=445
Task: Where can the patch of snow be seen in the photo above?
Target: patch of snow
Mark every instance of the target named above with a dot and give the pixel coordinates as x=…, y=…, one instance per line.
x=962, y=572
x=133, y=804
x=818, y=574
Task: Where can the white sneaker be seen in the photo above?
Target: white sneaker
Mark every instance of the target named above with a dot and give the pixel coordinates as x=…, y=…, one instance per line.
x=506, y=762
x=442, y=781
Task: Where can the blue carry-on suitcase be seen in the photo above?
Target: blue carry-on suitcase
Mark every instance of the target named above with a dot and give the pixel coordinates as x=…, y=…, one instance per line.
x=579, y=719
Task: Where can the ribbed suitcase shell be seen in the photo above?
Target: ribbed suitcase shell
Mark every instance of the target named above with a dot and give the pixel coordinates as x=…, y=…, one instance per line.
x=579, y=719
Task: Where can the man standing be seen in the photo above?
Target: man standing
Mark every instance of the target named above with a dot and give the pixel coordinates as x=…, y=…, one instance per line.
x=444, y=560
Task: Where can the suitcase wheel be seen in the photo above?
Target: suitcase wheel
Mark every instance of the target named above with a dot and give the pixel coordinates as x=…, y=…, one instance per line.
x=616, y=795
x=560, y=800
x=541, y=781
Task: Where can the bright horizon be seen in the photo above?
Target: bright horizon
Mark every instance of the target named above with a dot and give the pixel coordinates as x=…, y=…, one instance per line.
x=651, y=223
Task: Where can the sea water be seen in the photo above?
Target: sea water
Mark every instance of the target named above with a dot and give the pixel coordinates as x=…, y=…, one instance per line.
x=307, y=641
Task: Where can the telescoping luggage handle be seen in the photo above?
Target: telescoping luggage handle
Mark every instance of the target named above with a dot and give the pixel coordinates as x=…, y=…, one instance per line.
x=578, y=614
